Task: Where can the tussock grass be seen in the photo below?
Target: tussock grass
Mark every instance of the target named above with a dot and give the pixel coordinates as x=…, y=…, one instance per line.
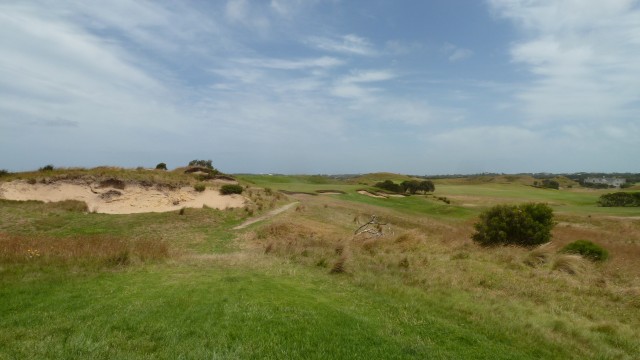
x=571, y=264
x=540, y=255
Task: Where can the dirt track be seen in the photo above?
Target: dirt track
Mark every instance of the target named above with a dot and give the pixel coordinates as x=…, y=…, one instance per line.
x=268, y=215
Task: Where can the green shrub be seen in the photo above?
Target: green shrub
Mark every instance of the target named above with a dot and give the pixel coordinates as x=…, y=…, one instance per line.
x=231, y=189
x=199, y=187
x=46, y=168
x=4, y=172
x=161, y=166
x=621, y=199
x=523, y=225
x=586, y=249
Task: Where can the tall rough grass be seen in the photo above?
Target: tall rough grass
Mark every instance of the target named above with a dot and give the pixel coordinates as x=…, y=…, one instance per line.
x=80, y=250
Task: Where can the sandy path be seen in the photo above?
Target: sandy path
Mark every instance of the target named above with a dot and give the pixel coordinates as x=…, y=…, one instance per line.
x=268, y=215
x=131, y=199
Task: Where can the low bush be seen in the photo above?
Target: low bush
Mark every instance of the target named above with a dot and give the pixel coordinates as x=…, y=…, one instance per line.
x=161, y=166
x=587, y=249
x=4, y=172
x=199, y=187
x=46, y=168
x=522, y=225
x=231, y=189
x=620, y=199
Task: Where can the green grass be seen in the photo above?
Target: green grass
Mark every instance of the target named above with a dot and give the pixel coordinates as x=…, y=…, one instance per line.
x=415, y=205
x=578, y=201
x=213, y=310
x=197, y=230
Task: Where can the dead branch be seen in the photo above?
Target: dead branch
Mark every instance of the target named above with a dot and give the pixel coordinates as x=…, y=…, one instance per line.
x=373, y=228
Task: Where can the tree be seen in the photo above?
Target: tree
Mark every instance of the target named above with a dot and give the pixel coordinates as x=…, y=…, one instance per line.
x=410, y=186
x=523, y=225
x=161, y=166
x=426, y=186
x=389, y=186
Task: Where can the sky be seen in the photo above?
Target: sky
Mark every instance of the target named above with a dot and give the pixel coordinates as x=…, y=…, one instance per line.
x=322, y=86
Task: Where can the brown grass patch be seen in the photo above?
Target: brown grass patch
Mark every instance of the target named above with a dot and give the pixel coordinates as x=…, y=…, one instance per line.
x=87, y=250
x=339, y=266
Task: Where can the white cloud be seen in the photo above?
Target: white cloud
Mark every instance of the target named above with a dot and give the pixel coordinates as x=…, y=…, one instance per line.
x=456, y=53
x=282, y=64
x=369, y=76
x=241, y=12
x=347, y=44
x=585, y=57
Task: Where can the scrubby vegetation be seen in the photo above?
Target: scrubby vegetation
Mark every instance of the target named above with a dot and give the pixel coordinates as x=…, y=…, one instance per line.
x=199, y=187
x=524, y=225
x=229, y=189
x=202, y=163
x=587, y=249
x=46, y=168
x=161, y=166
x=620, y=199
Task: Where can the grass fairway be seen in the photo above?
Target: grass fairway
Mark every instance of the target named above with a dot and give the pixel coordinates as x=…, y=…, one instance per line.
x=301, y=285
x=211, y=309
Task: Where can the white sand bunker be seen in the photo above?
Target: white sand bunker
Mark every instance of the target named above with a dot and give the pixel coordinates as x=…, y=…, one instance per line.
x=131, y=199
x=375, y=195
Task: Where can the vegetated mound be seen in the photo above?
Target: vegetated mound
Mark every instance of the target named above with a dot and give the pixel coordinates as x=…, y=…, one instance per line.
x=115, y=190
x=486, y=179
x=373, y=178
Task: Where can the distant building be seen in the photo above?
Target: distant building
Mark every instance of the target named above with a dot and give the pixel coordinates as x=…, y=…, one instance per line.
x=615, y=182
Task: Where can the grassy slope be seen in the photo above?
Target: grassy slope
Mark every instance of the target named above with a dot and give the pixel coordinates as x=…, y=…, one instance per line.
x=225, y=299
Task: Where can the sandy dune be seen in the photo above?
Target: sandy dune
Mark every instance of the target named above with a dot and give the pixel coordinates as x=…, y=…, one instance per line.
x=131, y=199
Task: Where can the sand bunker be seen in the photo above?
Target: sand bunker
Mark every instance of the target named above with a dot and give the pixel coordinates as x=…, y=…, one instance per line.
x=364, y=192
x=131, y=199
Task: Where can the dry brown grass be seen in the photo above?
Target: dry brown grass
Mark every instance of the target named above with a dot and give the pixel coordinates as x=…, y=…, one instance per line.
x=540, y=255
x=340, y=266
x=620, y=236
x=571, y=264
x=96, y=250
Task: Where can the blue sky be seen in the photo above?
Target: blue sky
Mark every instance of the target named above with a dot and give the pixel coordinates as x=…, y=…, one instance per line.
x=313, y=86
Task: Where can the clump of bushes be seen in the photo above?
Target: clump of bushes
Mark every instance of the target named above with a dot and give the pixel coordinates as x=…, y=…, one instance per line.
x=46, y=168
x=547, y=184
x=202, y=163
x=522, y=225
x=620, y=199
x=161, y=166
x=3, y=172
x=231, y=189
x=199, y=187
x=408, y=186
x=587, y=249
